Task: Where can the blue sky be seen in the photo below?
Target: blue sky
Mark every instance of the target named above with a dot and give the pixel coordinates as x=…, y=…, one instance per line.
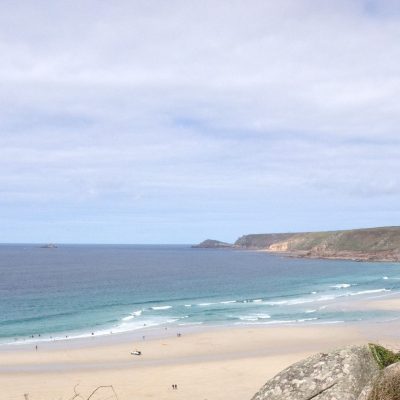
x=171, y=122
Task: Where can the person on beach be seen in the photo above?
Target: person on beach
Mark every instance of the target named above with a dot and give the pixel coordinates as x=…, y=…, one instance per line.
x=36, y=347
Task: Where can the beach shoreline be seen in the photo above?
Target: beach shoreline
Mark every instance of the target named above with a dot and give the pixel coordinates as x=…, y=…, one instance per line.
x=214, y=363
x=389, y=302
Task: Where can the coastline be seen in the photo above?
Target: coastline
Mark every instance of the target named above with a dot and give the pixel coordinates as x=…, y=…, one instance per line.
x=378, y=244
x=363, y=257
x=237, y=359
x=377, y=300
x=205, y=362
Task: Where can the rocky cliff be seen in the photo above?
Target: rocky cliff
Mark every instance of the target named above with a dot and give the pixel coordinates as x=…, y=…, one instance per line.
x=261, y=241
x=373, y=244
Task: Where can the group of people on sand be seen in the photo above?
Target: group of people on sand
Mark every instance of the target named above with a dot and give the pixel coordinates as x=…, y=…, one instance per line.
x=174, y=386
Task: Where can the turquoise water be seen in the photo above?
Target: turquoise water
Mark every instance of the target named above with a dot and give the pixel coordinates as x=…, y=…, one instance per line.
x=76, y=290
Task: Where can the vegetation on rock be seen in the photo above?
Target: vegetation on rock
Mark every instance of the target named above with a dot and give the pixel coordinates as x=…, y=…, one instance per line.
x=383, y=356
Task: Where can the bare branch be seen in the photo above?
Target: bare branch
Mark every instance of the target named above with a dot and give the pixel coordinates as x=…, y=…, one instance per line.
x=103, y=387
x=76, y=394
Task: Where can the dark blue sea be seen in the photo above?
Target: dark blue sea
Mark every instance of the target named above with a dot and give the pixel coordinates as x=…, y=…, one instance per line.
x=74, y=290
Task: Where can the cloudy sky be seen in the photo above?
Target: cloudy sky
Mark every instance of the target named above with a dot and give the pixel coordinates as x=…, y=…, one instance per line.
x=174, y=121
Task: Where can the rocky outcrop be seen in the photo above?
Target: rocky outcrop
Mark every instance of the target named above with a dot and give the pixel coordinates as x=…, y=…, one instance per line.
x=386, y=387
x=212, y=244
x=339, y=375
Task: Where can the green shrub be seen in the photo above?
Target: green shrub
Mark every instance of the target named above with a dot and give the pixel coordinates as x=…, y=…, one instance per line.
x=383, y=356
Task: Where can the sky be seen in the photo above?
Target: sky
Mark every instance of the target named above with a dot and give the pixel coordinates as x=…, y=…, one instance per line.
x=175, y=121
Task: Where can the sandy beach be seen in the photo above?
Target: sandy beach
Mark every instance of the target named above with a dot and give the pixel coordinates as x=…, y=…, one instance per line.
x=213, y=364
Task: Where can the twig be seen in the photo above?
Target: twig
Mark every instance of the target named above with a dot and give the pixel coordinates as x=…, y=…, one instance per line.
x=76, y=395
x=102, y=387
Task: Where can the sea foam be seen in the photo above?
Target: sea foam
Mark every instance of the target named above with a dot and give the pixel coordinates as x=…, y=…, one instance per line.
x=341, y=286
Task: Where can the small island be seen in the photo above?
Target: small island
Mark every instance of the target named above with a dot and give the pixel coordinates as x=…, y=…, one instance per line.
x=212, y=244
x=49, y=246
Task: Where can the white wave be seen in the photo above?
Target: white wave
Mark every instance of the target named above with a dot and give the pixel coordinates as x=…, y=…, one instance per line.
x=385, y=277
x=306, y=319
x=341, y=286
x=328, y=297
x=248, y=318
x=368, y=292
x=310, y=311
x=161, y=307
x=257, y=301
x=188, y=305
x=258, y=322
x=283, y=322
x=274, y=322
x=289, y=302
x=289, y=322
x=134, y=314
x=305, y=300
x=254, y=317
x=126, y=326
x=228, y=302
x=314, y=292
x=263, y=316
x=205, y=304
x=328, y=322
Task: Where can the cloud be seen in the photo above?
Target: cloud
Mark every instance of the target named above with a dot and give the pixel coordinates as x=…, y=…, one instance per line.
x=143, y=106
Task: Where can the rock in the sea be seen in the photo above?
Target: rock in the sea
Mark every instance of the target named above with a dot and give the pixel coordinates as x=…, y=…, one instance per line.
x=339, y=375
x=212, y=244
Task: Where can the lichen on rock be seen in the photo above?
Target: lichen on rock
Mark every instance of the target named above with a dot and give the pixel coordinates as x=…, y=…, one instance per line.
x=339, y=375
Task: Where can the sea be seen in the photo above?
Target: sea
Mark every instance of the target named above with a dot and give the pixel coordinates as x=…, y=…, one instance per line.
x=77, y=291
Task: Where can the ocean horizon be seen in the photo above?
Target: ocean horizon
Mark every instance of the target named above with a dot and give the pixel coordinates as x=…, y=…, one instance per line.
x=77, y=291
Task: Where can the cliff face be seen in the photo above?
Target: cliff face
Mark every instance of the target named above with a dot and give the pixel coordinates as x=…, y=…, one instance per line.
x=261, y=241
x=374, y=244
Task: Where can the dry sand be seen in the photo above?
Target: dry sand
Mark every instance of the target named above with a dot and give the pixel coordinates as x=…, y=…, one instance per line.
x=214, y=364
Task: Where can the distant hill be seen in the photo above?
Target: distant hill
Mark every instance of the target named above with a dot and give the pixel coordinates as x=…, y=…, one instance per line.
x=212, y=244
x=372, y=244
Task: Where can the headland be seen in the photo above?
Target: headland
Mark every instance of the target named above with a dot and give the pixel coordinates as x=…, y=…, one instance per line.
x=370, y=244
